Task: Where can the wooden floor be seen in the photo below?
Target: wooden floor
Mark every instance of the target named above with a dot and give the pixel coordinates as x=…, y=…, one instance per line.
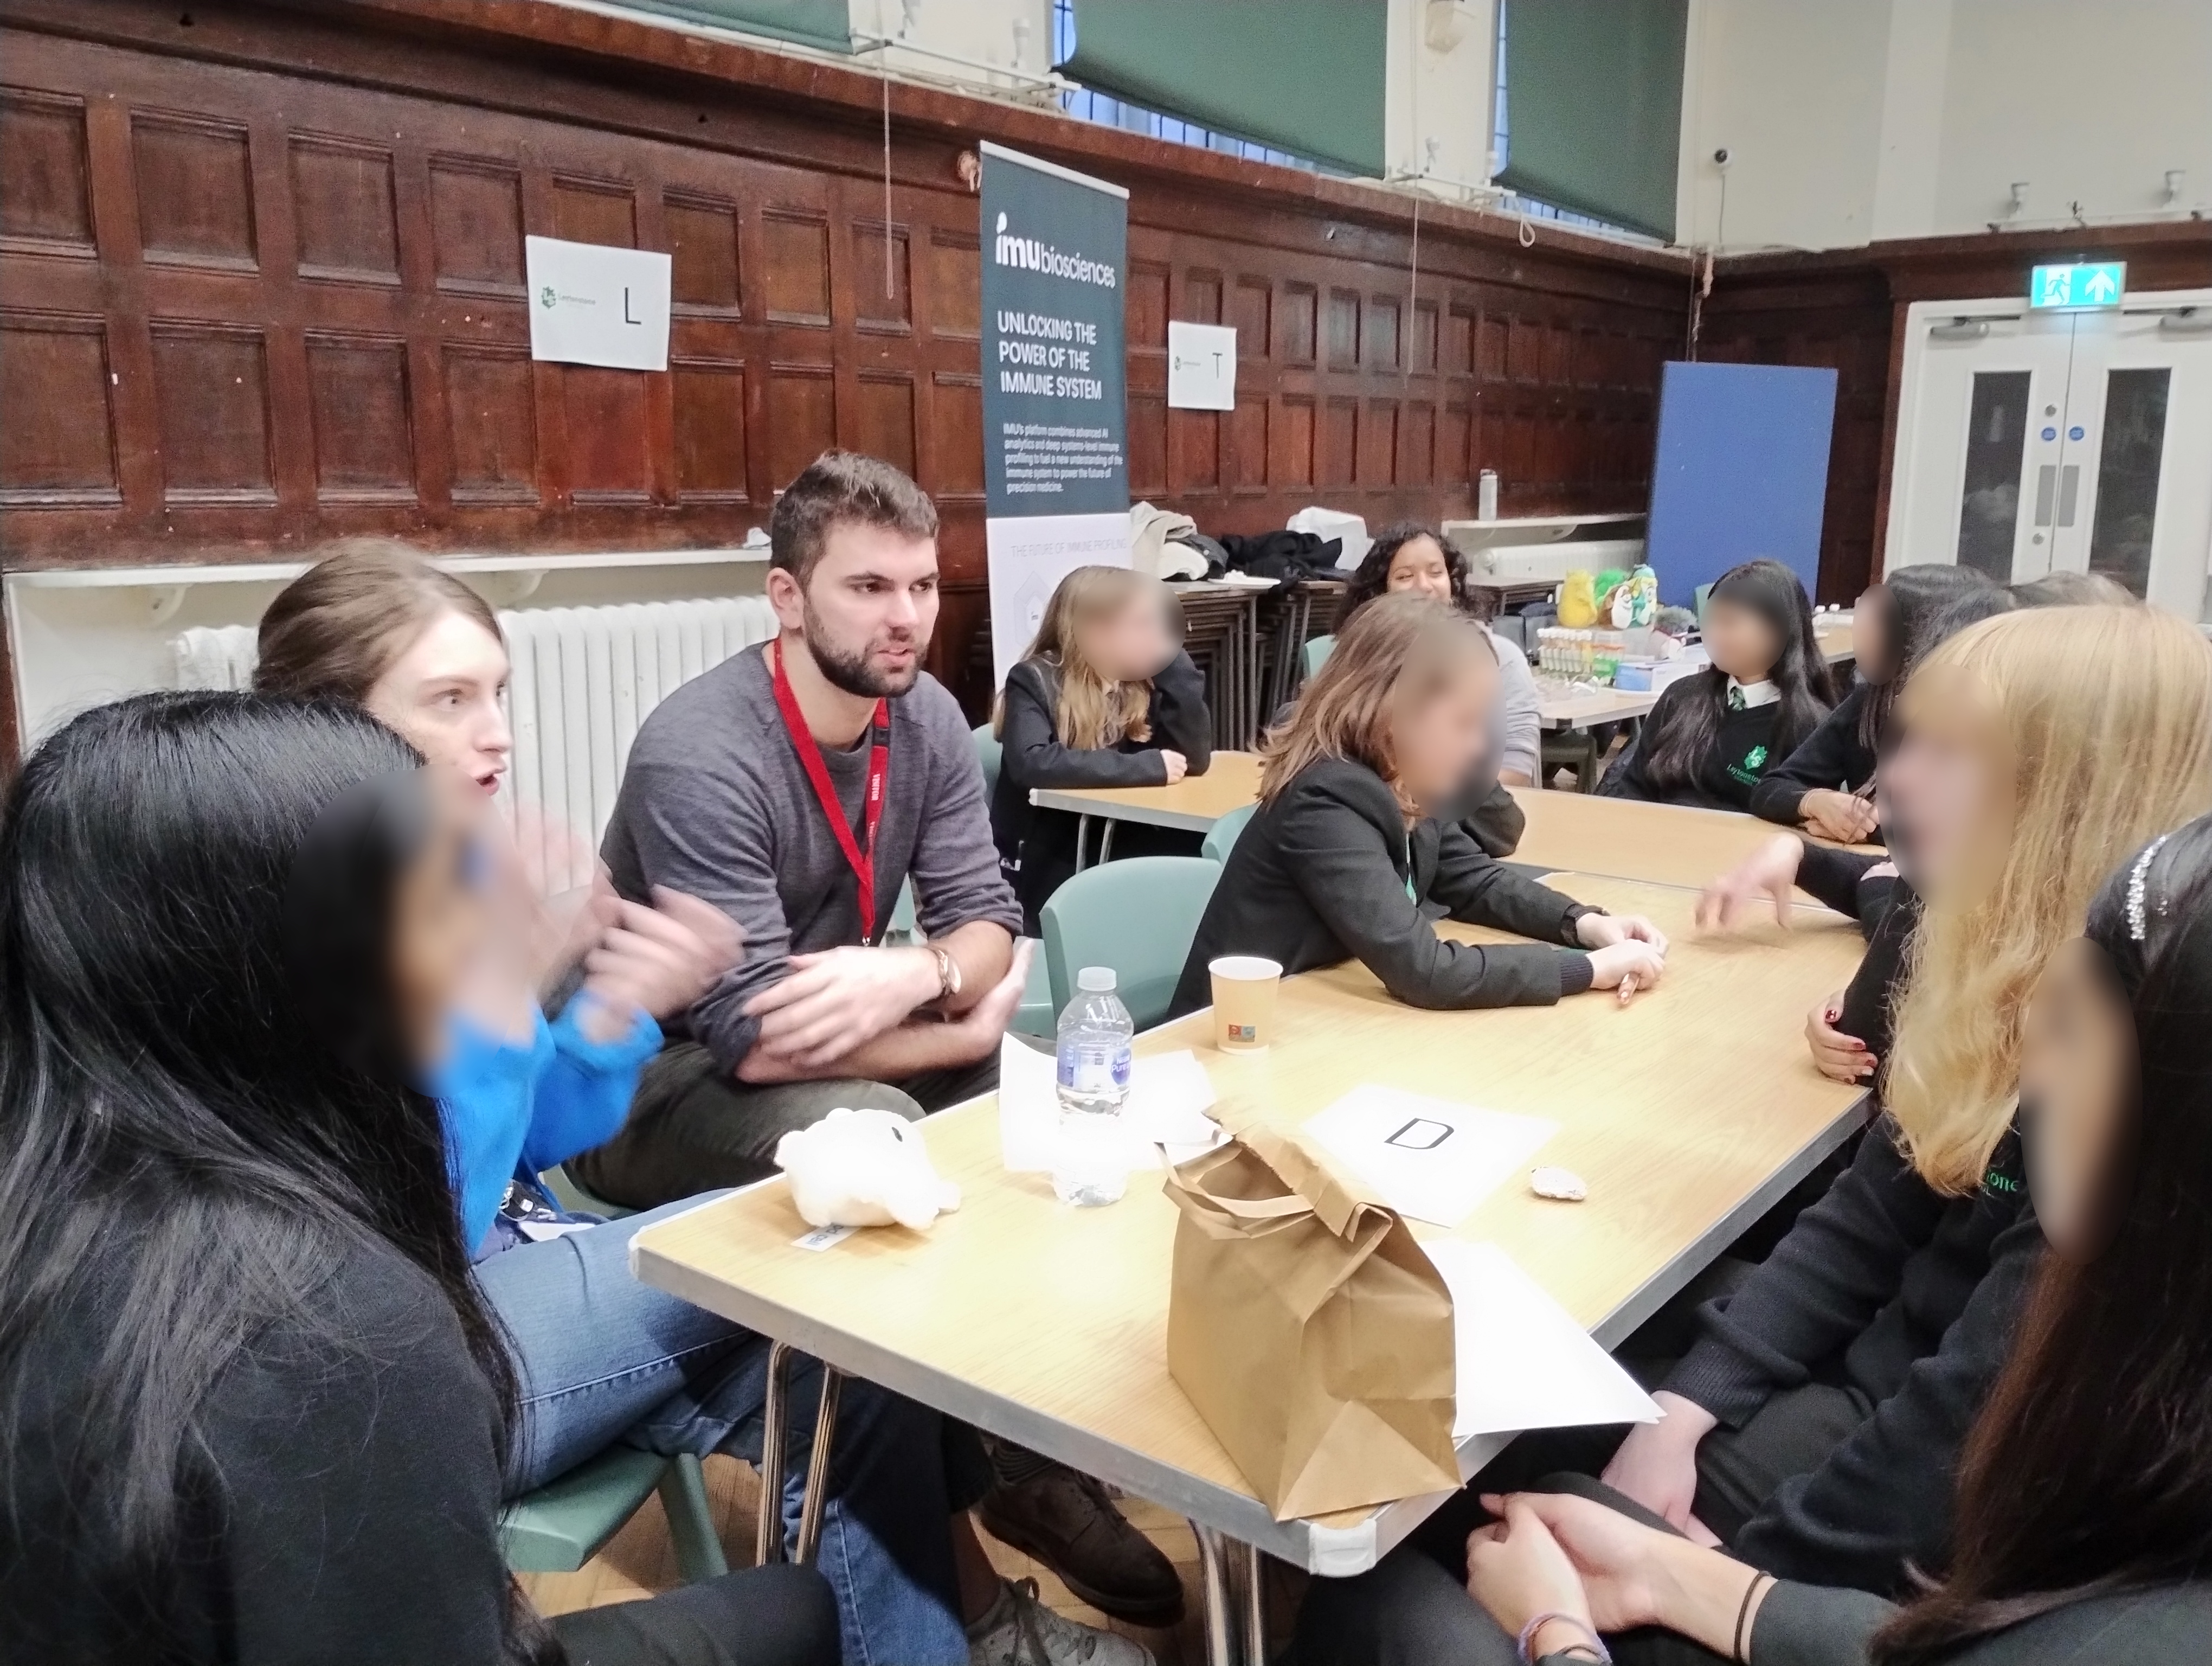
x=640, y=1560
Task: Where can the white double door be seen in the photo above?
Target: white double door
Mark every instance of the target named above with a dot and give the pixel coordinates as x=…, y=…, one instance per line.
x=2032, y=443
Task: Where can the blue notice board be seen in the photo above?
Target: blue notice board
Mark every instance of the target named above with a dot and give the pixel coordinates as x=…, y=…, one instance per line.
x=1741, y=470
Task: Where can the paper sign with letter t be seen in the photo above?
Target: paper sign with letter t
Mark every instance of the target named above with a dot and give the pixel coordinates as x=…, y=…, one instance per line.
x=591, y=303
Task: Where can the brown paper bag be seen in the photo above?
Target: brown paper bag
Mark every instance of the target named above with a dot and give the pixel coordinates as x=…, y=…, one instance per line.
x=1309, y=1329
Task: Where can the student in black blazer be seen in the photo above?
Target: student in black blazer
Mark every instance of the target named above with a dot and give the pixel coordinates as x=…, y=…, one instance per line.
x=1711, y=736
x=1344, y=859
x=1826, y=785
x=1104, y=697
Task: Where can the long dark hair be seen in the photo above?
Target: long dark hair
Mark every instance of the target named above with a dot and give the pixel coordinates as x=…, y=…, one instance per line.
x=1771, y=591
x=2089, y=1469
x=1371, y=578
x=184, y=1155
x=1912, y=603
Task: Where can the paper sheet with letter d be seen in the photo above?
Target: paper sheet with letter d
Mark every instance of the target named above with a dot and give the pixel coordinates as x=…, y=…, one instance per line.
x=1429, y=1159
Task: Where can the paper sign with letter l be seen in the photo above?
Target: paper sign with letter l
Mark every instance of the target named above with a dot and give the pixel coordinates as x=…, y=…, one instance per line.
x=1055, y=414
x=591, y=303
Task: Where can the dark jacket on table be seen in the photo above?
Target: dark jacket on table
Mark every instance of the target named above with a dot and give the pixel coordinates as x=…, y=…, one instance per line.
x=1723, y=778
x=1888, y=911
x=1890, y=1287
x=1320, y=875
x=1832, y=757
x=1807, y=1626
x=1036, y=848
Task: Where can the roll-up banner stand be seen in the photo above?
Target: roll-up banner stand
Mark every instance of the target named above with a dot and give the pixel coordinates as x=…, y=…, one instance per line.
x=1056, y=413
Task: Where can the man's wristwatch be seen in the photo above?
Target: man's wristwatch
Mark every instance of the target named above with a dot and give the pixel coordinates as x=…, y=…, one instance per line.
x=948, y=974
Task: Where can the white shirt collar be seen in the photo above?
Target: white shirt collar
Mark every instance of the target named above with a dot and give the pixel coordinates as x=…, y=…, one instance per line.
x=1755, y=694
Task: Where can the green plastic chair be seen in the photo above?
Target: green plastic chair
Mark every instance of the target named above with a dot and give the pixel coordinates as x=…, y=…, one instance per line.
x=561, y=1526
x=1137, y=915
x=1036, y=1015
x=905, y=928
x=575, y=1199
x=1316, y=653
x=987, y=750
x=1221, y=837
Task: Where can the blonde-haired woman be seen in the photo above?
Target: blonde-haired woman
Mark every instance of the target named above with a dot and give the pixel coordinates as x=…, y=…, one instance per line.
x=1814, y=1426
x=1347, y=857
x=1105, y=696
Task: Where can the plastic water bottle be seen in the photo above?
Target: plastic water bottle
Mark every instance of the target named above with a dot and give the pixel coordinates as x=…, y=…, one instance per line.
x=1095, y=1032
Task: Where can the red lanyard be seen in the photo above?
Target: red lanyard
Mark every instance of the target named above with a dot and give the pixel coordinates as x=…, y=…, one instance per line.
x=872, y=807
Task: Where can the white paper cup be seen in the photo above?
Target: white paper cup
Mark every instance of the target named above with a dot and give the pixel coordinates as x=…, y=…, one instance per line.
x=1244, y=987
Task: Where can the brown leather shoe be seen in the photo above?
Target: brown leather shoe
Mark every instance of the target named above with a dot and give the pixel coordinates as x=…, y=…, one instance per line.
x=1065, y=1520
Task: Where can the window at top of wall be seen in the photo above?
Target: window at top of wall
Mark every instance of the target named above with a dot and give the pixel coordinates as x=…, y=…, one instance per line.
x=1106, y=112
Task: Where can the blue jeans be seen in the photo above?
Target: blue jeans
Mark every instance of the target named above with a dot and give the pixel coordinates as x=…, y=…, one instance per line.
x=602, y=1359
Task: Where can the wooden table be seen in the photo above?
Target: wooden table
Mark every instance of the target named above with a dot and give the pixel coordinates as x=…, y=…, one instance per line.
x=1617, y=838
x=1193, y=805
x=1690, y=1112
x=1665, y=844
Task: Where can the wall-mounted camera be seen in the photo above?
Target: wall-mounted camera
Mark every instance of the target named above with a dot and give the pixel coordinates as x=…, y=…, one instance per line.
x=1722, y=158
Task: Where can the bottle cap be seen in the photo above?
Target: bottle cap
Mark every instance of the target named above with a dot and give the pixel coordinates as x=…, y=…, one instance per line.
x=1096, y=980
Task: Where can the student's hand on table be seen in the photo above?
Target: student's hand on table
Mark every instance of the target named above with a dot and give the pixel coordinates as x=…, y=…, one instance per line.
x=1602, y=931
x=1178, y=766
x=1516, y=1570
x=839, y=998
x=1617, y=961
x=1766, y=874
x=1844, y=817
x=1840, y=1057
x=1658, y=1464
x=657, y=960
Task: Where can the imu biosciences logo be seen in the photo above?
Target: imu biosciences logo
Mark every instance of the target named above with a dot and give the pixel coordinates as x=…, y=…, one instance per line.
x=1028, y=254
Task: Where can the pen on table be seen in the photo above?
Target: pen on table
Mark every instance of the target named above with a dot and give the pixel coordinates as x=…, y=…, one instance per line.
x=1627, y=987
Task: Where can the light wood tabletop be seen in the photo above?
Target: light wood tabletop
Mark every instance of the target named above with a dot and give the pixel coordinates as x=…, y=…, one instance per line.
x=1193, y=804
x=1616, y=838
x=1665, y=844
x=1688, y=1112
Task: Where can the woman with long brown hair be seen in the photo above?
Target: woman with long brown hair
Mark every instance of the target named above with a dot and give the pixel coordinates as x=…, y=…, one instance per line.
x=1104, y=697
x=1347, y=857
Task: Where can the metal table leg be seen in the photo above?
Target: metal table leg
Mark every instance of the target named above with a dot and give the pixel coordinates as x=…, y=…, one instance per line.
x=1106, y=843
x=1220, y=1612
x=1255, y=1608
x=768, y=1538
x=1082, y=837
x=817, y=1467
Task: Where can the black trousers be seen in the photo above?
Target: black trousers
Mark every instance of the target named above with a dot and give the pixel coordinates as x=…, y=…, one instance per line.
x=694, y=1127
x=779, y=1615
x=1415, y=1608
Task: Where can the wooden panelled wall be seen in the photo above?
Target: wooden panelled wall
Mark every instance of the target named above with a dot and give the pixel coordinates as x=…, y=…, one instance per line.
x=261, y=285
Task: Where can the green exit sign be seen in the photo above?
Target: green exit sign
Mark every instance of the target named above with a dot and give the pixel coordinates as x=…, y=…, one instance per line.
x=2078, y=289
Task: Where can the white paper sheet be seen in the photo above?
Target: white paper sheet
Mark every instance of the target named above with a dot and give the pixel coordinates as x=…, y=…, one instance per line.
x=1170, y=1094
x=1430, y=1158
x=1524, y=1361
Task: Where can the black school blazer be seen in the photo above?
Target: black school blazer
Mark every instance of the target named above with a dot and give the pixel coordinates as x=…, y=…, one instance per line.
x=1319, y=876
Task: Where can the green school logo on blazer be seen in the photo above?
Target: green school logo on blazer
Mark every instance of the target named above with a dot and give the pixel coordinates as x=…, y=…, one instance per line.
x=1747, y=771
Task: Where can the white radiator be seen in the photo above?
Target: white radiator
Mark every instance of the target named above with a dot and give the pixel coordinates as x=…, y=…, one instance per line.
x=585, y=677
